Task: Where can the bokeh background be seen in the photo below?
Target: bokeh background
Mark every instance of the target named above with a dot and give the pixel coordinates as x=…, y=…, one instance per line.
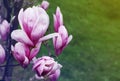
x=94, y=52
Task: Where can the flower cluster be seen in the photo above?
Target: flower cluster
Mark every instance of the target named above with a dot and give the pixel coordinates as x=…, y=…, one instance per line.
x=34, y=22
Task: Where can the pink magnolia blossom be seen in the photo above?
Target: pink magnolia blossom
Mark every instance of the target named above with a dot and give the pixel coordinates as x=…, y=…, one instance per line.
x=63, y=39
x=34, y=23
x=4, y=29
x=24, y=54
x=2, y=54
x=44, y=5
x=21, y=53
x=47, y=68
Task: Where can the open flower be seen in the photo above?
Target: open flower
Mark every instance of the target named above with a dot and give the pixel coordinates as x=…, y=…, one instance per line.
x=34, y=23
x=2, y=54
x=63, y=39
x=47, y=68
x=4, y=29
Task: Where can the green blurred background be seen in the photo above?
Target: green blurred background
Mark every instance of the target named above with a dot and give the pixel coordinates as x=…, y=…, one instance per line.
x=94, y=52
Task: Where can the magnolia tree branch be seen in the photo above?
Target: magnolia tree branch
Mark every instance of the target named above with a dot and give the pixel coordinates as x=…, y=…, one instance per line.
x=12, y=8
x=14, y=65
x=8, y=7
x=3, y=11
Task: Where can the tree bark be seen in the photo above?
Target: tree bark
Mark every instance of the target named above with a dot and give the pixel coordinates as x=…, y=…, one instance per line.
x=10, y=8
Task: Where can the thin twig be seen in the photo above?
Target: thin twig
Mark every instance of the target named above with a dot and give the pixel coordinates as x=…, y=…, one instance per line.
x=13, y=65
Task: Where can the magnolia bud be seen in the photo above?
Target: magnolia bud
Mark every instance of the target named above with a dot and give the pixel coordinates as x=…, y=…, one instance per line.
x=47, y=68
x=44, y=5
x=4, y=29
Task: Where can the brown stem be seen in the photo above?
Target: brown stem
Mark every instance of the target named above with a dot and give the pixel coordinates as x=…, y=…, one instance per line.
x=17, y=4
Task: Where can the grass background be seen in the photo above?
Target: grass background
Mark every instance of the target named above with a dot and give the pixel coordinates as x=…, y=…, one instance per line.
x=94, y=52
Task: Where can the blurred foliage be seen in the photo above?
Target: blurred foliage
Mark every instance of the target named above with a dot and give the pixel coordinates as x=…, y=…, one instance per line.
x=94, y=53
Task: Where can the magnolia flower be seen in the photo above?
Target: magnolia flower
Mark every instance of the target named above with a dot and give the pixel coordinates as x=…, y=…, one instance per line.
x=24, y=54
x=47, y=68
x=21, y=53
x=4, y=29
x=63, y=39
x=2, y=54
x=44, y=5
x=34, y=23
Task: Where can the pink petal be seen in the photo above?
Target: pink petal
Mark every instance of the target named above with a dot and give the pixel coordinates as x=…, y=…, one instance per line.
x=40, y=69
x=35, y=50
x=67, y=42
x=37, y=33
x=58, y=19
x=63, y=32
x=6, y=25
x=19, y=57
x=69, y=39
x=56, y=25
x=20, y=18
x=41, y=26
x=19, y=49
x=55, y=76
x=29, y=20
x=4, y=29
x=59, y=16
x=26, y=62
x=49, y=36
x=58, y=42
x=37, y=63
x=54, y=68
x=20, y=36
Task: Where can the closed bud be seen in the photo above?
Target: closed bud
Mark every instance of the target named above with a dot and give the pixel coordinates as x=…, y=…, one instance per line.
x=4, y=29
x=46, y=68
x=44, y=5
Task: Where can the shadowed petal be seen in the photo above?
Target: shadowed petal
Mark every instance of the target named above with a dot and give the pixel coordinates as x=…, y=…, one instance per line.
x=54, y=76
x=20, y=36
x=35, y=50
